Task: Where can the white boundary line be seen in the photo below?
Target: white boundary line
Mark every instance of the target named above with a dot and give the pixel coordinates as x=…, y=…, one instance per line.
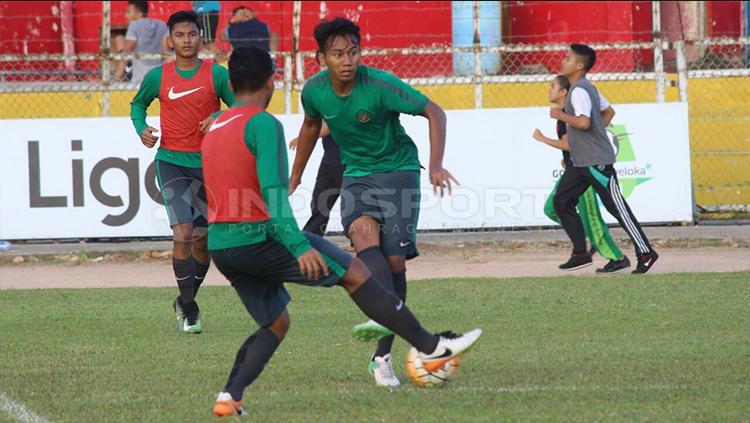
x=19, y=411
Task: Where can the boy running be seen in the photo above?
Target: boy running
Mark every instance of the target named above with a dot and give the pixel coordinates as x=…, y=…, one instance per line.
x=588, y=207
x=189, y=90
x=381, y=190
x=256, y=244
x=592, y=156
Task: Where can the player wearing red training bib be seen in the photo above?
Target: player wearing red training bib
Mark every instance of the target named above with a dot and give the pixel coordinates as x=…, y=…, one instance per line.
x=189, y=91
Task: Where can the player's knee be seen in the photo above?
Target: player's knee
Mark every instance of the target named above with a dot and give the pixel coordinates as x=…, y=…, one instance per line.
x=280, y=326
x=397, y=263
x=364, y=234
x=356, y=275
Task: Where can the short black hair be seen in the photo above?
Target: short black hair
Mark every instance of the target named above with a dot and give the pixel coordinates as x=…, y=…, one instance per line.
x=238, y=8
x=327, y=31
x=563, y=81
x=587, y=53
x=249, y=69
x=142, y=6
x=182, y=16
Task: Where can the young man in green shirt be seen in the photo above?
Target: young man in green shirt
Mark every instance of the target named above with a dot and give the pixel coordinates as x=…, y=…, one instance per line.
x=256, y=243
x=381, y=190
x=189, y=90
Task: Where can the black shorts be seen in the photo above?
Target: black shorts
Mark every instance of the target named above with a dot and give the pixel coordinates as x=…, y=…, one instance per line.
x=258, y=273
x=208, y=23
x=184, y=194
x=392, y=198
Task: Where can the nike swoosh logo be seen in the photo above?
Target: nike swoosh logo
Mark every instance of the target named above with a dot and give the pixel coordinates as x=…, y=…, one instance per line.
x=446, y=353
x=400, y=305
x=404, y=244
x=329, y=117
x=218, y=125
x=174, y=96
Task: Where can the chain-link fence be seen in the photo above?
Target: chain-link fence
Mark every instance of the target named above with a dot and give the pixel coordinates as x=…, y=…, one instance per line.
x=420, y=43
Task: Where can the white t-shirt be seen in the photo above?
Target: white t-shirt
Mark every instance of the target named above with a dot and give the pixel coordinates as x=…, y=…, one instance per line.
x=582, y=102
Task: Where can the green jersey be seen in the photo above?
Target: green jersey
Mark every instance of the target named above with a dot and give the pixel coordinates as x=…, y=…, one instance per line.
x=365, y=124
x=149, y=91
x=264, y=138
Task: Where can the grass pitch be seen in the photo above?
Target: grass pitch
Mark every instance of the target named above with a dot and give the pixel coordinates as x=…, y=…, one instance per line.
x=672, y=347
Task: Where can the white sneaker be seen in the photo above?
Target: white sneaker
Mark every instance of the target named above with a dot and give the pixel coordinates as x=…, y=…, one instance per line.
x=382, y=369
x=451, y=345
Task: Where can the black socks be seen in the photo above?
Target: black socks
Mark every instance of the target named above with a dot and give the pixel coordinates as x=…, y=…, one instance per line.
x=390, y=311
x=199, y=273
x=183, y=272
x=399, y=288
x=250, y=361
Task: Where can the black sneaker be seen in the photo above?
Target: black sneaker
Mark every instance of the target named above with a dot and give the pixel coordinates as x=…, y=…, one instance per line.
x=592, y=251
x=615, y=265
x=646, y=262
x=576, y=261
x=192, y=322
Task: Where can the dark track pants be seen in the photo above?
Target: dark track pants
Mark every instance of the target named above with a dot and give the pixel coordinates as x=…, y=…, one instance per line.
x=574, y=182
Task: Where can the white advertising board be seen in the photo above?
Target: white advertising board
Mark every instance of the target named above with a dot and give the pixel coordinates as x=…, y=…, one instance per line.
x=85, y=178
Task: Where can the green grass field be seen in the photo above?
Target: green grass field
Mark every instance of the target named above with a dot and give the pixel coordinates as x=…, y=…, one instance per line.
x=659, y=348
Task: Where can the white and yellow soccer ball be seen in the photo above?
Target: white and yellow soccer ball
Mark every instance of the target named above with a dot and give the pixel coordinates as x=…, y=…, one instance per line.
x=431, y=375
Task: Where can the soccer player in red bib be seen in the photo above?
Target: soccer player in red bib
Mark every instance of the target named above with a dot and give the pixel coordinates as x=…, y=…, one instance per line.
x=256, y=243
x=189, y=92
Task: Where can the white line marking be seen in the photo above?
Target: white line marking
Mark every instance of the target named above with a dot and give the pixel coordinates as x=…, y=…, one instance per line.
x=19, y=411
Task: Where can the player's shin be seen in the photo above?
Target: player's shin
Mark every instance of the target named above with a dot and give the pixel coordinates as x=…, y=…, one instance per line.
x=390, y=311
x=250, y=361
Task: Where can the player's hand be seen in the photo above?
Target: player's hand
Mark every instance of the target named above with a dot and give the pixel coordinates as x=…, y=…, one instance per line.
x=294, y=182
x=147, y=138
x=556, y=113
x=538, y=135
x=441, y=179
x=562, y=163
x=312, y=265
x=206, y=123
x=293, y=144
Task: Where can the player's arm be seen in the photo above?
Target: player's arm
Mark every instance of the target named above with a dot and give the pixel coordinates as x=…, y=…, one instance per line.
x=440, y=178
x=307, y=138
x=608, y=113
x=223, y=91
x=148, y=91
x=324, y=132
x=121, y=64
x=264, y=135
x=561, y=144
x=579, y=122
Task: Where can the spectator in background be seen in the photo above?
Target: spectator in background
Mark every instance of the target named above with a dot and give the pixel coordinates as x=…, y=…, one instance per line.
x=144, y=36
x=208, y=19
x=245, y=30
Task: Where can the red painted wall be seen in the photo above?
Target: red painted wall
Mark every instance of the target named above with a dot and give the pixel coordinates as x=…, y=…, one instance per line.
x=33, y=27
x=577, y=21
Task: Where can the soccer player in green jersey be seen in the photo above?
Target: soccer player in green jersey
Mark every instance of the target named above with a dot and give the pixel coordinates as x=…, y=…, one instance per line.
x=189, y=90
x=256, y=243
x=380, y=191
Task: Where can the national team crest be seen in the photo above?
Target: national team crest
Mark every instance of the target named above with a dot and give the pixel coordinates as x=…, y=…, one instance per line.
x=363, y=116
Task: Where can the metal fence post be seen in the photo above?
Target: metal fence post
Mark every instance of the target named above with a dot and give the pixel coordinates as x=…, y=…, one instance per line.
x=104, y=56
x=477, y=60
x=682, y=71
x=661, y=77
x=288, y=84
x=299, y=64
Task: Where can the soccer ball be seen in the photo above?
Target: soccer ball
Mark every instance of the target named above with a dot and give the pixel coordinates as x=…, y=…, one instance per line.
x=431, y=375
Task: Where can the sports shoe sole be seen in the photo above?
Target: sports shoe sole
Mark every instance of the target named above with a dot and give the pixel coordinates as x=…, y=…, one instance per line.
x=366, y=332
x=577, y=267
